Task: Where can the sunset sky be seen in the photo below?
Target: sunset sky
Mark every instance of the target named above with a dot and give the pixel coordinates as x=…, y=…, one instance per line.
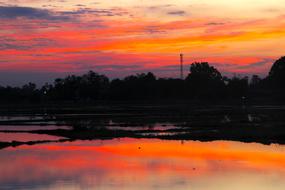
x=43, y=39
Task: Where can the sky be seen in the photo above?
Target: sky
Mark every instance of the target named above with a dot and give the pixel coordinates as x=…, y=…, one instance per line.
x=44, y=39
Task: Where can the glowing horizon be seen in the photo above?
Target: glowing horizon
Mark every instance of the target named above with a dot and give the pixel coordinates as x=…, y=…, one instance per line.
x=124, y=37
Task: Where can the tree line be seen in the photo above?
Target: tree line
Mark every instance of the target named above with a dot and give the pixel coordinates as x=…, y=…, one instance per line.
x=204, y=82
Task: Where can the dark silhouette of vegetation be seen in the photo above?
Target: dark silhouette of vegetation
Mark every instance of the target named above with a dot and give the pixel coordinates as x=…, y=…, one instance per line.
x=277, y=73
x=204, y=82
x=276, y=79
x=237, y=87
x=141, y=86
x=255, y=124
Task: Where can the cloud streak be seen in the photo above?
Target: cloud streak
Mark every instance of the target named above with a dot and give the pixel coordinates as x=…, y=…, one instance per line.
x=181, y=13
x=123, y=38
x=14, y=12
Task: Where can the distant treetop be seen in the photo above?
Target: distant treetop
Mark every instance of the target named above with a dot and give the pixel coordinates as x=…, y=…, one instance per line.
x=277, y=72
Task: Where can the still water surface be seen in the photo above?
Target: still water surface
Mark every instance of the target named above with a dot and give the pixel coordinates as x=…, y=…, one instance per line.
x=130, y=164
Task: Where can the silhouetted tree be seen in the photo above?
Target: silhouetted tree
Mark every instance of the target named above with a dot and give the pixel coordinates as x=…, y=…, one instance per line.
x=255, y=81
x=90, y=86
x=29, y=92
x=171, y=89
x=93, y=86
x=140, y=86
x=276, y=75
x=238, y=87
x=205, y=80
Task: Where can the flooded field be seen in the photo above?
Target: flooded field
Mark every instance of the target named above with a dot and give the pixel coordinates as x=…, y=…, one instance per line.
x=197, y=150
x=143, y=164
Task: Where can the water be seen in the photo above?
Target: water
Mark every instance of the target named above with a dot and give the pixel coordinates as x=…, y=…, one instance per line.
x=132, y=153
x=130, y=163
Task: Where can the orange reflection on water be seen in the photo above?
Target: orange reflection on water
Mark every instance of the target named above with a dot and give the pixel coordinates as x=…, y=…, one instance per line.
x=143, y=163
x=254, y=155
x=25, y=137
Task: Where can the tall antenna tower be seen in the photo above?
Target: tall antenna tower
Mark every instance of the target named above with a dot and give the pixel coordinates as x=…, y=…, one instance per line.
x=181, y=66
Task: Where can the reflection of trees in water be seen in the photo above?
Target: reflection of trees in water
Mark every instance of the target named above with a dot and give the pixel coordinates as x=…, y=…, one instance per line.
x=17, y=143
x=264, y=125
x=198, y=118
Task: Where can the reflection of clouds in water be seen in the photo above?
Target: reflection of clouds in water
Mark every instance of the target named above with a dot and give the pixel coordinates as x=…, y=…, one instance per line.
x=25, y=137
x=114, y=164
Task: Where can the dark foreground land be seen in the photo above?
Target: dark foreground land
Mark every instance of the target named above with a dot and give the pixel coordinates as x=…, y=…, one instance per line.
x=262, y=124
x=204, y=106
